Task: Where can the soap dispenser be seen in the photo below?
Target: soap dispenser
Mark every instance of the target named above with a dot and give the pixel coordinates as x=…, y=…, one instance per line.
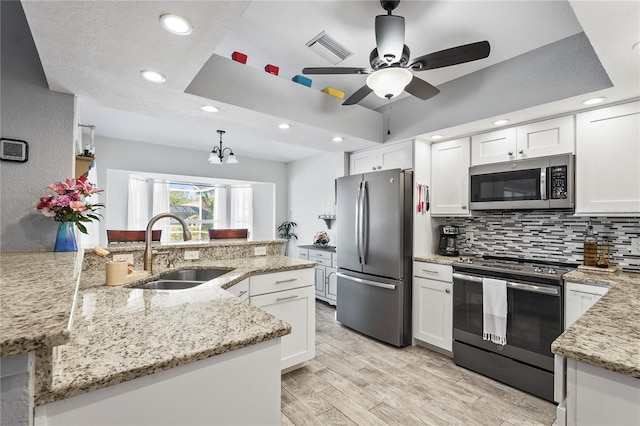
x=590, y=247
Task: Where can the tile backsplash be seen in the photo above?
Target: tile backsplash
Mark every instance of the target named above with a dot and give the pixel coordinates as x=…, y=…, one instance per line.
x=554, y=235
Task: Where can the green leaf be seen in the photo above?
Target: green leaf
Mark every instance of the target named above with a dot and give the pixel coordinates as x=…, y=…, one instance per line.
x=81, y=228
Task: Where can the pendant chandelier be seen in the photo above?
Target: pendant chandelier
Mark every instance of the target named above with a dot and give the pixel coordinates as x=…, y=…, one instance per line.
x=217, y=153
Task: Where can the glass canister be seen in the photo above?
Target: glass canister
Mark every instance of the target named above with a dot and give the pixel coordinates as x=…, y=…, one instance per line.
x=590, y=247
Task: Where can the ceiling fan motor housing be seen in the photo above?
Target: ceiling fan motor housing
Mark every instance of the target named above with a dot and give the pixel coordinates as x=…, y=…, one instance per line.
x=377, y=63
x=389, y=5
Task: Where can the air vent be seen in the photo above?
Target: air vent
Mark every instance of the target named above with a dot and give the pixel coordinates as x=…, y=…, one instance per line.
x=328, y=48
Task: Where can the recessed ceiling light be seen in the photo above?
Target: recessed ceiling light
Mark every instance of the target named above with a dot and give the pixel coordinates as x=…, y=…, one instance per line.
x=175, y=24
x=338, y=139
x=153, y=76
x=284, y=125
x=593, y=101
x=501, y=122
x=436, y=137
x=209, y=108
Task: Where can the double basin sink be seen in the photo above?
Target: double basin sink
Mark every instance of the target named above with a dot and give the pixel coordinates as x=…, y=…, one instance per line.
x=181, y=280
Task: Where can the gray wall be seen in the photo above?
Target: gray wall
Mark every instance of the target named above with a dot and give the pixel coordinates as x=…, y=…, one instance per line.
x=143, y=157
x=30, y=111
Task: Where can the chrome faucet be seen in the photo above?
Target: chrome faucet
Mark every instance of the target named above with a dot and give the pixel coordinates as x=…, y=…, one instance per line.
x=148, y=253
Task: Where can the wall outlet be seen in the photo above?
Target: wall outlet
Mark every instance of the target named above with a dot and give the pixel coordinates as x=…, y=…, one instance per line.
x=468, y=236
x=191, y=254
x=123, y=258
x=635, y=246
x=260, y=251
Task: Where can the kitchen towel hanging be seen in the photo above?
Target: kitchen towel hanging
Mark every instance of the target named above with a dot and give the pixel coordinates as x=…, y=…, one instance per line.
x=494, y=310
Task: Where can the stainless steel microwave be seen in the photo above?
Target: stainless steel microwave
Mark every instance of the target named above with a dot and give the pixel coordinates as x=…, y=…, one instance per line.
x=536, y=183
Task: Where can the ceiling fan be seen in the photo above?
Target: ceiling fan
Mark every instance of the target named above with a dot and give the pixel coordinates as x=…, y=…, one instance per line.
x=390, y=72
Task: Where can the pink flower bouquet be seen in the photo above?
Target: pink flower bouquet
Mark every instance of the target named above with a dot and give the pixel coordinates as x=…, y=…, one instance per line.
x=68, y=204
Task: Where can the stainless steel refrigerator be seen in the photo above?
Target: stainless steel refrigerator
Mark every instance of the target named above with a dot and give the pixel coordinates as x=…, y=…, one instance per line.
x=375, y=229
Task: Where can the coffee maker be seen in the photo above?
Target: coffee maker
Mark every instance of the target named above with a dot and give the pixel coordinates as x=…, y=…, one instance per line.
x=448, y=244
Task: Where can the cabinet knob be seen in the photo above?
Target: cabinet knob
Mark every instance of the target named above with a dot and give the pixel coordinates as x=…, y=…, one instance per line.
x=464, y=207
x=510, y=153
x=521, y=151
x=379, y=167
x=446, y=290
x=373, y=168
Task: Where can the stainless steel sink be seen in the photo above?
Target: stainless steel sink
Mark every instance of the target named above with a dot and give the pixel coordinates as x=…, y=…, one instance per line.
x=181, y=280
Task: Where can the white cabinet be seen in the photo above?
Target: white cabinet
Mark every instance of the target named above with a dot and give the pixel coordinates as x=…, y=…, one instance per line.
x=608, y=161
x=289, y=296
x=240, y=290
x=450, y=178
x=578, y=298
x=393, y=156
x=596, y=396
x=543, y=138
x=326, y=279
x=493, y=147
x=433, y=304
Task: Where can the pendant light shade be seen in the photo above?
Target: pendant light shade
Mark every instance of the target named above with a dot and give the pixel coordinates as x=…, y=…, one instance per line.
x=389, y=82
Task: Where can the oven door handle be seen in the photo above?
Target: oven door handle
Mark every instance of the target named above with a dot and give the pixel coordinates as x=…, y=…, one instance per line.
x=517, y=286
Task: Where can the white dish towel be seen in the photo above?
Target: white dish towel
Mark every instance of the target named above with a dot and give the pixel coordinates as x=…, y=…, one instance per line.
x=494, y=310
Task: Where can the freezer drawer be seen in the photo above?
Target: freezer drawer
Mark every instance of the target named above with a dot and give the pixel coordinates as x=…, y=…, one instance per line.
x=377, y=308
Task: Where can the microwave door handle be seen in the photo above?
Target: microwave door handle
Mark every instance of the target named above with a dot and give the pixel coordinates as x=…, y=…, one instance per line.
x=543, y=182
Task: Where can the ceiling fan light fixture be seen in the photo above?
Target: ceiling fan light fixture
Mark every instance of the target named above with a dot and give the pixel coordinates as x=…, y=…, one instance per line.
x=175, y=24
x=388, y=83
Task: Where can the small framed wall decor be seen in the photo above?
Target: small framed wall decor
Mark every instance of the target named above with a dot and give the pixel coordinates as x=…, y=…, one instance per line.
x=14, y=150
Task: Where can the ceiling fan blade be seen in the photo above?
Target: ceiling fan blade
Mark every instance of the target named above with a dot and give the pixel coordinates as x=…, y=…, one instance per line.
x=359, y=95
x=390, y=37
x=421, y=89
x=336, y=70
x=453, y=56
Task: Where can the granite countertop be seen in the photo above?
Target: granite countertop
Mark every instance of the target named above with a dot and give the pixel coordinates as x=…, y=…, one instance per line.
x=120, y=333
x=35, y=311
x=608, y=334
x=438, y=258
x=312, y=247
x=191, y=244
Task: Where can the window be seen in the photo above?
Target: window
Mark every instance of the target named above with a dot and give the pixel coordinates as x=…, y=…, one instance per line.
x=206, y=207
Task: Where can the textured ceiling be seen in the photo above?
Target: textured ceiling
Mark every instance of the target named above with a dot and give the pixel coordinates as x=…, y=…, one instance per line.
x=95, y=49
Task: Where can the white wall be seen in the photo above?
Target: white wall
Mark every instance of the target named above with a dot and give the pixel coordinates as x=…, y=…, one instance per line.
x=264, y=212
x=423, y=234
x=45, y=119
x=311, y=193
x=122, y=154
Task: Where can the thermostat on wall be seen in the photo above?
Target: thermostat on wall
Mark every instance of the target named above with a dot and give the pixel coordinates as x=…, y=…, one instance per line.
x=14, y=150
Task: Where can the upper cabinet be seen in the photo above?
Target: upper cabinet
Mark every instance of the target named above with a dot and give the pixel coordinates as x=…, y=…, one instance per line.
x=394, y=156
x=543, y=138
x=608, y=161
x=450, y=178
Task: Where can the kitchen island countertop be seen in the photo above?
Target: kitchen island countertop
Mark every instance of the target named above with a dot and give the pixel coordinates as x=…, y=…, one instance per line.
x=119, y=333
x=608, y=334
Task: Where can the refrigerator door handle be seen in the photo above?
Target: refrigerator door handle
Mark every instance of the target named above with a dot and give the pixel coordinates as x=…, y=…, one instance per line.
x=367, y=282
x=364, y=224
x=357, y=224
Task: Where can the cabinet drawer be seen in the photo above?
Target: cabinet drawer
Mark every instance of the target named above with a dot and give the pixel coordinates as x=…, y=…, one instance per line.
x=240, y=289
x=278, y=281
x=434, y=271
x=320, y=260
x=320, y=254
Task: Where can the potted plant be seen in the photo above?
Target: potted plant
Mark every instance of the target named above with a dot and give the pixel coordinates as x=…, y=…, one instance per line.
x=285, y=230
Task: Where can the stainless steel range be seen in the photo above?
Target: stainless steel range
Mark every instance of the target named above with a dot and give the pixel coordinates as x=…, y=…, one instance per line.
x=535, y=318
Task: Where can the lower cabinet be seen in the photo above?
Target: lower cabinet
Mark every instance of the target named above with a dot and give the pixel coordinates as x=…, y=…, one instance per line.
x=289, y=296
x=326, y=279
x=579, y=298
x=433, y=307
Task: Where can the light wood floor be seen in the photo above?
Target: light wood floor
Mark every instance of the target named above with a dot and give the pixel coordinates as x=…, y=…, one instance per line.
x=356, y=380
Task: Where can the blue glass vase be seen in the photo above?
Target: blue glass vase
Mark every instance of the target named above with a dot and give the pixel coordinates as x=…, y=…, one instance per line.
x=66, y=237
